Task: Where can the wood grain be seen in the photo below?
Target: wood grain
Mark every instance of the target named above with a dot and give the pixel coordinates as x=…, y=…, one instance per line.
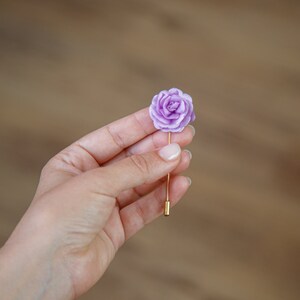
x=68, y=67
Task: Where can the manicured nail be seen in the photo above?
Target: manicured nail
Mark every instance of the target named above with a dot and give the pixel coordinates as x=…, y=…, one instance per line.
x=189, y=153
x=189, y=180
x=170, y=152
x=193, y=129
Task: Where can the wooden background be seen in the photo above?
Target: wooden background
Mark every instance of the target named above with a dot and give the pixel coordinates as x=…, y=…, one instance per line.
x=68, y=67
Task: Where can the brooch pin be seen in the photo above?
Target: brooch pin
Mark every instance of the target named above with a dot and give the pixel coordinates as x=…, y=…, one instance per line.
x=171, y=111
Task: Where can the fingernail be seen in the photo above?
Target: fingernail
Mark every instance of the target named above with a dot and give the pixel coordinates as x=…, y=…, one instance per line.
x=193, y=129
x=189, y=180
x=170, y=152
x=189, y=153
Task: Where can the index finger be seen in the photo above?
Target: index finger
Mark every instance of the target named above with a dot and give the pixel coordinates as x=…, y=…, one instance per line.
x=108, y=141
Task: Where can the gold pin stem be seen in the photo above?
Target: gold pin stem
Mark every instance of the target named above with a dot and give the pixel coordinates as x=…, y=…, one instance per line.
x=167, y=202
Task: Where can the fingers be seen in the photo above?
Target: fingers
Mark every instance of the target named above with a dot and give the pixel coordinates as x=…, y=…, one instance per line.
x=96, y=148
x=129, y=196
x=154, y=141
x=136, y=215
x=136, y=170
x=100, y=147
x=106, y=142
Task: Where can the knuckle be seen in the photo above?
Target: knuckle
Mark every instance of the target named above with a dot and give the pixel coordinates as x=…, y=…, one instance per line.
x=96, y=179
x=141, y=163
x=45, y=169
x=97, y=183
x=116, y=137
x=48, y=166
x=141, y=215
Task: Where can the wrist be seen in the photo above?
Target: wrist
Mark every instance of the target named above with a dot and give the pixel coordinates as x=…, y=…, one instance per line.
x=30, y=270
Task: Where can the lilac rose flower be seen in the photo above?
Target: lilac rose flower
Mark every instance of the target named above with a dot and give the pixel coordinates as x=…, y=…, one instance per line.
x=172, y=110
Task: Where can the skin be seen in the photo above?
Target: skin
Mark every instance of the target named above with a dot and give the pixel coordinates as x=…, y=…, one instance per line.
x=91, y=198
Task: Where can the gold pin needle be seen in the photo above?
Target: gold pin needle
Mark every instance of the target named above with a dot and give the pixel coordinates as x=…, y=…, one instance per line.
x=167, y=202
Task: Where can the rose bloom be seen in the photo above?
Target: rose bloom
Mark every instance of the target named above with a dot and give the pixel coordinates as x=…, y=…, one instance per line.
x=172, y=110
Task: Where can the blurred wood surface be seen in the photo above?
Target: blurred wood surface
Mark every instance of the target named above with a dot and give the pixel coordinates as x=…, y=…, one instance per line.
x=68, y=67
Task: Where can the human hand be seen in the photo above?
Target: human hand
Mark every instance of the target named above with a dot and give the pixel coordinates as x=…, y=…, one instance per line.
x=92, y=197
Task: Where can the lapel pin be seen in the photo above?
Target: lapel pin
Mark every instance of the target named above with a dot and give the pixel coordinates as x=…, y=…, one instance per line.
x=171, y=111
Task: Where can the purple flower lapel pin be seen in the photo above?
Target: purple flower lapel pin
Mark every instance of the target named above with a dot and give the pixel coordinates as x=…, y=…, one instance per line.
x=171, y=111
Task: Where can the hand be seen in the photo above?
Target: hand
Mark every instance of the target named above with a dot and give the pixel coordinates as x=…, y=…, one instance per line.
x=92, y=197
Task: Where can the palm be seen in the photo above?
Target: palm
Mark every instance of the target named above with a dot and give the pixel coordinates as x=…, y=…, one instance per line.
x=94, y=249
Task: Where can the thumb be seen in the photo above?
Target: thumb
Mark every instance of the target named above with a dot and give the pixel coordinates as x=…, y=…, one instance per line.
x=139, y=169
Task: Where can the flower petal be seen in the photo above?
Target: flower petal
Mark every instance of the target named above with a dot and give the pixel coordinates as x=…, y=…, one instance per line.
x=182, y=107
